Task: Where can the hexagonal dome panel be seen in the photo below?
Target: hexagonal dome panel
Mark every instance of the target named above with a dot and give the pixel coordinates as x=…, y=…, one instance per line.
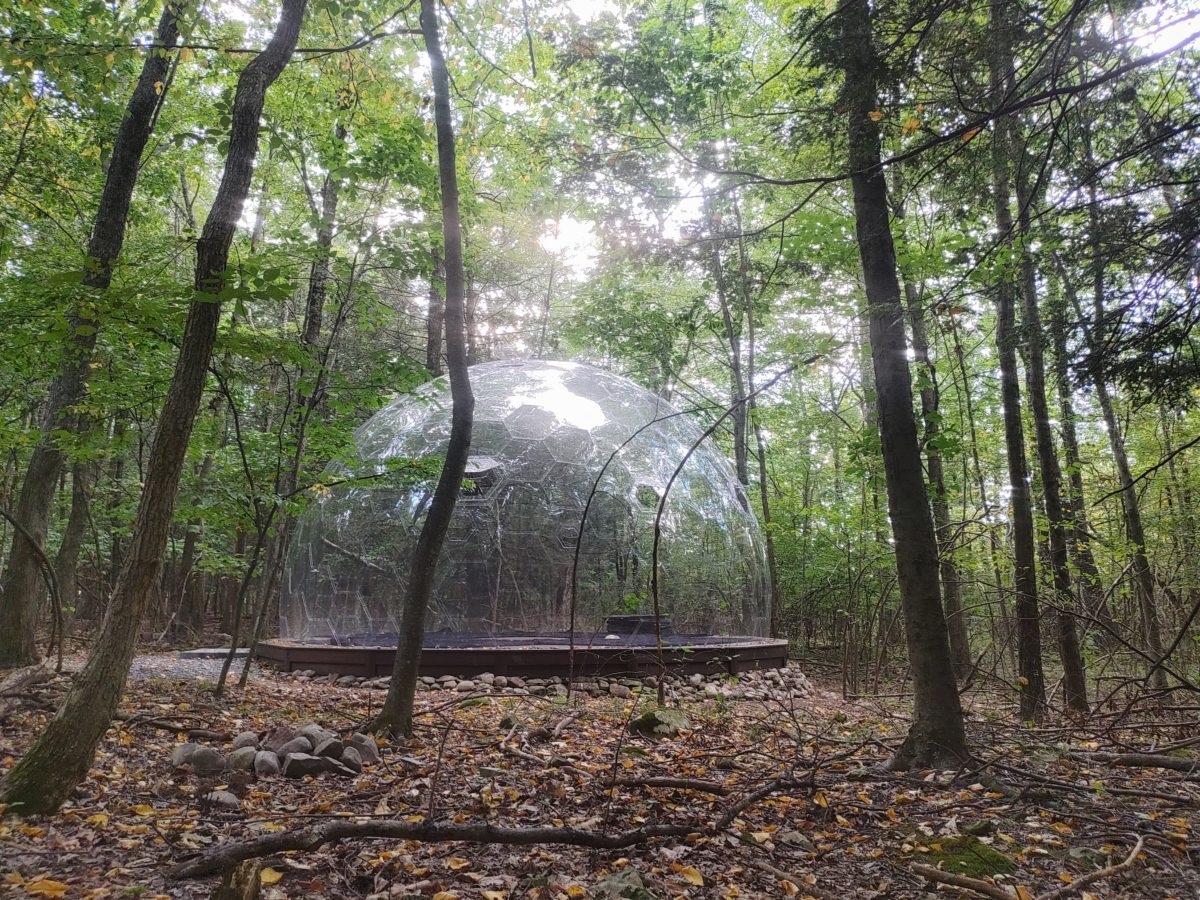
x=549, y=442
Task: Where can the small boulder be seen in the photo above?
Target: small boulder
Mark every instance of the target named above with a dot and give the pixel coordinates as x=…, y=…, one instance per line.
x=516, y=681
x=346, y=681
x=207, y=761
x=224, y=799
x=297, y=765
x=278, y=737
x=266, y=763
x=660, y=722
x=242, y=759
x=368, y=750
x=486, y=678
x=330, y=748
x=245, y=739
x=619, y=690
x=352, y=759
x=298, y=744
x=315, y=733
x=181, y=754
x=464, y=687
x=500, y=682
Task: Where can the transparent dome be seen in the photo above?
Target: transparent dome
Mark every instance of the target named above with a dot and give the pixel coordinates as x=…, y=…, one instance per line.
x=543, y=433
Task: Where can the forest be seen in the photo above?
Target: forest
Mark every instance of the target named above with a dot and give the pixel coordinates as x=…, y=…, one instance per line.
x=926, y=273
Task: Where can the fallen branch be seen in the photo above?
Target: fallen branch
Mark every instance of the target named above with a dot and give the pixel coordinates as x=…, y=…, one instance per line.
x=12, y=687
x=684, y=784
x=1143, y=761
x=802, y=886
x=1084, y=880
x=985, y=888
x=224, y=856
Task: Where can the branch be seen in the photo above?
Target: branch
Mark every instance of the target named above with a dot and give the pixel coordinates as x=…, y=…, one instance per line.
x=225, y=856
x=986, y=888
x=1092, y=877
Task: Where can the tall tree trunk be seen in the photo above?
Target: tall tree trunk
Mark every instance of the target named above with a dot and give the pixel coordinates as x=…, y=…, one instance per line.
x=937, y=736
x=20, y=589
x=1143, y=574
x=1095, y=602
x=66, y=563
x=63, y=752
x=952, y=602
x=737, y=384
x=1069, y=652
x=396, y=715
x=1029, y=634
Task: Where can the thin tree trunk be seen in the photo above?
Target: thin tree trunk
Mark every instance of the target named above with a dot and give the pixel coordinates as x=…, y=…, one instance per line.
x=1029, y=634
x=956, y=617
x=1093, y=595
x=936, y=736
x=1069, y=652
x=66, y=563
x=20, y=589
x=397, y=713
x=64, y=751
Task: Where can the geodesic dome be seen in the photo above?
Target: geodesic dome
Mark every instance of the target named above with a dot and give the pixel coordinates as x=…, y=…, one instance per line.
x=543, y=433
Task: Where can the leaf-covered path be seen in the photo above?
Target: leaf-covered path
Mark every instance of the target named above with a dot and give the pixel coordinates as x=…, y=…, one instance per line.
x=1038, y=812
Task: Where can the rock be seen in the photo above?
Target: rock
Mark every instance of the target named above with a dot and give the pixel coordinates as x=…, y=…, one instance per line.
x=712, y=690
x=181, y=754
x=297, y=765
x=486, y=678
x=331, y=748
x=242, y=759
x=245, y=739
x=223, y=798
x=465, y=686
x=266, y=763
x=619, y=690
x=660, y=722
x=315, y=733
x=518, y=692
x=207, y=761
x=428, y=679
x=500, y=682
x=365, y=744
x=346, y=681
x=696, y=680
x=516, y=681
x=352, y=759
x=298, y=744
x=277, y=737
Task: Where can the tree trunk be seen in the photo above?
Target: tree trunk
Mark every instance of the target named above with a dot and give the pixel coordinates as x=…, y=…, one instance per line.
x=64, y=751
x=1029, y=634
x=952, y=603
x=21, y=587
x=937, y=736
x=66, y=563
x=397, y=713
x=1069, y=652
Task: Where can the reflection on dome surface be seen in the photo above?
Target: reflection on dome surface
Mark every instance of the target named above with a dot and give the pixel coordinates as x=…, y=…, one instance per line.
x=543, y=432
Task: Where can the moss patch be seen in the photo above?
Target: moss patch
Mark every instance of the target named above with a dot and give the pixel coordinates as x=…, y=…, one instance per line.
x=967, y=855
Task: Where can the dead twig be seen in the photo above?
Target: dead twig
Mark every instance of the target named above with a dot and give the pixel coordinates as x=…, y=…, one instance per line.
x=979, y=886
x=1092, y=877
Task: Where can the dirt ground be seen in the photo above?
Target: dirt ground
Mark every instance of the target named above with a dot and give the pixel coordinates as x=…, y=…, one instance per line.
x=779, y=799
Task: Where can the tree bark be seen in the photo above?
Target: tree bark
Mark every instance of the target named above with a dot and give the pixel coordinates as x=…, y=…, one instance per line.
x=20, y=589
x=66, y=563
x=64, y=751
x=397, y=713
x=434, y=321
x=1069, y=652
x=952, y=602
x=1029, y=634
x=936, y=736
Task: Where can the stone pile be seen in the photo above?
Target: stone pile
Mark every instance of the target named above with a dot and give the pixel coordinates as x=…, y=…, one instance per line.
x=295, y=753
x=759, y=684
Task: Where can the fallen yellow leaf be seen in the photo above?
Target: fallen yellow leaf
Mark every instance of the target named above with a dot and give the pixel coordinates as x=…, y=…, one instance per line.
x=692, y=875
x=457, y=862
x=270, y=876
x=46, y=887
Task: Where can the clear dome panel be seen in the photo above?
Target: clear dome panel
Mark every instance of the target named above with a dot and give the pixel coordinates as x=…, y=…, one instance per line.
x=544, y=432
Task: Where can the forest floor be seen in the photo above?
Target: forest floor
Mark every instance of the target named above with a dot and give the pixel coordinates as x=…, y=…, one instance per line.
x=780, y=799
